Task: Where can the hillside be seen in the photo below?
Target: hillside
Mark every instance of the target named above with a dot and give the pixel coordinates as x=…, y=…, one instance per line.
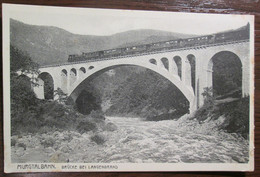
x=50, y=45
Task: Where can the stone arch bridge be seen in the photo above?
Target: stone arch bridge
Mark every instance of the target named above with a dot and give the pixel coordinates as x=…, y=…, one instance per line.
x=174, y=64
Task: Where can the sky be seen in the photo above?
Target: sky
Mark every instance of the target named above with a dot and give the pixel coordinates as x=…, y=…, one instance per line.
x=89, y=21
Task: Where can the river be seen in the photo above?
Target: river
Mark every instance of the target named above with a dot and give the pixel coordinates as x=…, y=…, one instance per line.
x=138, y=141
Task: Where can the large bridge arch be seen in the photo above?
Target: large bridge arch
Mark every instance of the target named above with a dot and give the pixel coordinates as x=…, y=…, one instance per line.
x=98, y=69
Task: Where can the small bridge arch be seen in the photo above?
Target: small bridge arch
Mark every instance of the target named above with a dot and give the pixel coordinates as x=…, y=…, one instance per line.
x=45, y=86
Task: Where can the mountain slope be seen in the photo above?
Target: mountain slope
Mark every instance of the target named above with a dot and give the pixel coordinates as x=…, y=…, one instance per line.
x=50, y=45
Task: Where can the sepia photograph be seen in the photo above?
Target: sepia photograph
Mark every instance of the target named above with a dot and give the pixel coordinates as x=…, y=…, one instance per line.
x=88, y=89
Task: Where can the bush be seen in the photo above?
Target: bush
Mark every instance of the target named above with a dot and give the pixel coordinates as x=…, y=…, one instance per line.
x=204, y=112
x=237, y=117
x=97, y=114
x=22, y=145
x=236, y=114
x=13, y=142
x=86, y=126
x=98, y=139
x=209, y=104
x=52, y=115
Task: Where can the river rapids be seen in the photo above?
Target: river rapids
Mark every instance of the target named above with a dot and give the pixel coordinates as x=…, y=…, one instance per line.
x=138, y=141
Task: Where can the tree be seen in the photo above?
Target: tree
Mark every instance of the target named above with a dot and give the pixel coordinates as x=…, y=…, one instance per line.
x=62, y=97
x=23, y=99
x=208, y=96
x=21, y=61
x=21, y=88
x=142, y=93
x=87, y=101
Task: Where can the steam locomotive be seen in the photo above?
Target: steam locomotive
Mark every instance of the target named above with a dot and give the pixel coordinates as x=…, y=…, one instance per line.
x=235, y=35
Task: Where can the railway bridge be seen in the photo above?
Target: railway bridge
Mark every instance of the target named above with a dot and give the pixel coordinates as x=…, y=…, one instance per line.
x=188, y=67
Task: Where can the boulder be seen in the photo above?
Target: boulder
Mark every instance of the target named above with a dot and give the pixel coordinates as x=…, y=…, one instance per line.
x=20, y=151
x=110, y=127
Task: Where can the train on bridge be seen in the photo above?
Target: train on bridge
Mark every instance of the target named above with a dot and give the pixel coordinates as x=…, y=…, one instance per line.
x=218, y=38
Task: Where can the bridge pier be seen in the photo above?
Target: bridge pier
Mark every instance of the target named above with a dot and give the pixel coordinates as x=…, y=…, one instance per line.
x=186, y=72
x=192, y=108
x=68, y=82
x=173, y=69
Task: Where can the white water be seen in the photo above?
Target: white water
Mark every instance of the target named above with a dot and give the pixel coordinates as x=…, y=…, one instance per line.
x=137, y=141
x=168, y=141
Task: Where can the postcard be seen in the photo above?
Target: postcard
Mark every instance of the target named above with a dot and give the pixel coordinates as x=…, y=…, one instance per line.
x=88, y=89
